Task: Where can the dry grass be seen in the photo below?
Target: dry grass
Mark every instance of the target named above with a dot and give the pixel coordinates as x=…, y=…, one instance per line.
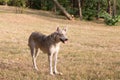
x=92, y=53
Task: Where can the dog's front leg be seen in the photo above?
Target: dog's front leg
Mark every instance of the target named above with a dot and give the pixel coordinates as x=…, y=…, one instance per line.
x=50, y=63
x=55, y=64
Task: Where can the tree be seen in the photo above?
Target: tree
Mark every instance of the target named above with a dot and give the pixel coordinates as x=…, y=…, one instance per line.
x=80, y=9
x=98, y=9
x=109, y=7
x=114, y=8
x=63, y=10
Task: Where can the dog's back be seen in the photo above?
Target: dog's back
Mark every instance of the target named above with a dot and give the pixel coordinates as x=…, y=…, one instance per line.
x=36, y=37
x=36, y=40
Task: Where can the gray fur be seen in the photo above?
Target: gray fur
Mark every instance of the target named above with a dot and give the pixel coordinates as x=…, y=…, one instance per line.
x=48, y=44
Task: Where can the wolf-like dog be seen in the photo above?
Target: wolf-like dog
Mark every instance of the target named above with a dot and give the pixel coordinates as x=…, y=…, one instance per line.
x=48, y=44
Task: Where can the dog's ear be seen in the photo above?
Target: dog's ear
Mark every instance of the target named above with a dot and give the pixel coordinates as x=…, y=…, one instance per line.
x=58, y=29
x=65, y=29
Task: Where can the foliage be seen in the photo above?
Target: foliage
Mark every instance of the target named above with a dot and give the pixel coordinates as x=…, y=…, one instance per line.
x=67, y=5
x=48, y=5
x=109, y=20
x=118, y=7
x=35, y=4
x=3, y=2
x=89, y=7
x=88, y=14
x=41, y=4
x=89, y=10
x=18, y=3
x=73, y=11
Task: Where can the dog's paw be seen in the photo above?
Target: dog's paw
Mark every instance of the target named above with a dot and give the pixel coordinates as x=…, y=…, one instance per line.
x=52, y=74
x=35, y=68
x=59, y=73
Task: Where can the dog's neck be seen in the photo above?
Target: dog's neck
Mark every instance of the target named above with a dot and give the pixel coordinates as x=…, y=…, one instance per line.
x=52, y=37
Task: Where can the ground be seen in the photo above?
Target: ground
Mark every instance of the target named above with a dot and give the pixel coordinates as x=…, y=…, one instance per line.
x=92, y=52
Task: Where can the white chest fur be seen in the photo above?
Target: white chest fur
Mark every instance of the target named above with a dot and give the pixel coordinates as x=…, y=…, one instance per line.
x=55, y=48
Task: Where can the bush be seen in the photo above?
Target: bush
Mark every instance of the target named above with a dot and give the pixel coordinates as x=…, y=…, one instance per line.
x=3, y=2
x=48, y=5
x=73, y=11
x=18, y=3
x=89, y=14
x=112, y=20
x=109, y=20
x=89, y=10
x=35, y=4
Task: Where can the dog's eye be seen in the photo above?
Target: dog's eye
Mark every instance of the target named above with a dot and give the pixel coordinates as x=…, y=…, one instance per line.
x=61, y=34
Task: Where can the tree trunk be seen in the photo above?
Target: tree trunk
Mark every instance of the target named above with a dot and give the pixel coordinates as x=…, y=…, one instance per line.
x=40, y=4
x=63, y=10
x=80, y=9
x=114, y=8
x=82, y=3
x=75, y=3
x=98, y=9
x=109, y=7
x=30, y=3
x=54, y=8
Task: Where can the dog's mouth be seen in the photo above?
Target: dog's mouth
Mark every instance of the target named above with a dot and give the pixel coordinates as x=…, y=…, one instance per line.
x=64, y=40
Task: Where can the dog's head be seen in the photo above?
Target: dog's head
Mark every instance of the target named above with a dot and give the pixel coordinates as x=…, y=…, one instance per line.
x=61, y=35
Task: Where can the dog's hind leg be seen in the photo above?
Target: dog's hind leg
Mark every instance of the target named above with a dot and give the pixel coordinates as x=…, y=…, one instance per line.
x=36, y=52
x=34, y=55
x=34, y=59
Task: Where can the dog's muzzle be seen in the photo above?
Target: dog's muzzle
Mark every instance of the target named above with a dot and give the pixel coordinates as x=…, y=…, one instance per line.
x=64, y=40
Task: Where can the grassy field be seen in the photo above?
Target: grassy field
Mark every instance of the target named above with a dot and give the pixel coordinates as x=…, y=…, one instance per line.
x=92, y=52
